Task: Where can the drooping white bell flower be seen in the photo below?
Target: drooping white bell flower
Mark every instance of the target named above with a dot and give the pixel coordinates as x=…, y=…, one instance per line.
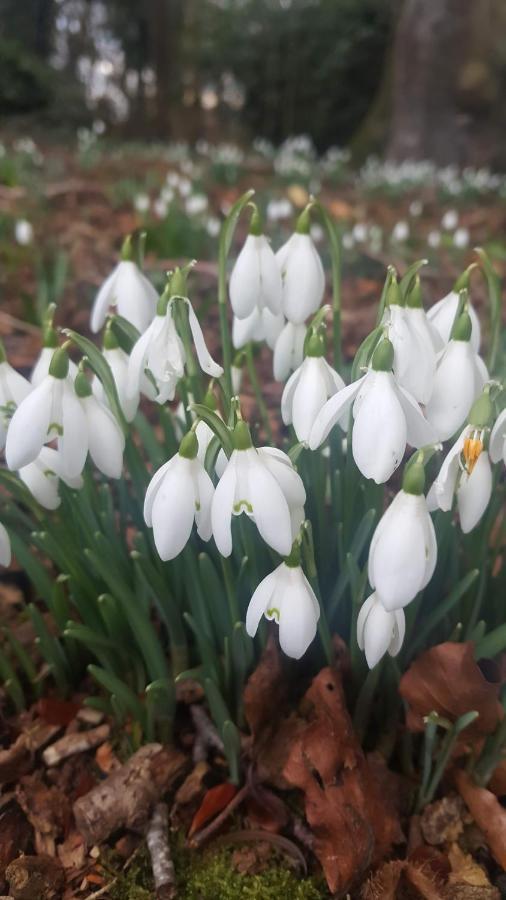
x=459, y=379
x=179, y=494
x=286, y=597
x=442, y=314
x=159, y=352
x=262, y=484
x=379, y=631
x=13, y=390
x=414, y=347
x=497, y=446
x=466, y=470
x=288, y=350
x=117, y=360
x=403, y=551
x=385, y=418
x=255, y=282
x=260, y=325
x=302, y=273
x=129, y=291
x=308, y=389
x=43, y=475
x=52, y=411
x=105, y=438
x=5, y=546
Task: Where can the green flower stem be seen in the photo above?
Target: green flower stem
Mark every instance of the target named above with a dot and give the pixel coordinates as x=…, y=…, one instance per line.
x=334, y=239
x=365, y=699
x=255, y=384
x=228, y=579
x=312, y=576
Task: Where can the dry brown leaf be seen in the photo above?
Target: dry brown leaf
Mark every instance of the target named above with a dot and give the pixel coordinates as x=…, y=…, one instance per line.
x=466, y=869
x=497, y=783
x=383, y=884
x=353, y=822
x=47, y=809
x=446, y=679
x=487, y=812
x=442, y=821
x=72, y=853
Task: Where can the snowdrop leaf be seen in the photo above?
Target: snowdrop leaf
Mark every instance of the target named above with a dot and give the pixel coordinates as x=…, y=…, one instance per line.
x=492, y=644
x=230, y=223
x=424, y=629
x=102, y=371
x=495, y=298
x=216, y=424
x=365, y=351
x=126, y=333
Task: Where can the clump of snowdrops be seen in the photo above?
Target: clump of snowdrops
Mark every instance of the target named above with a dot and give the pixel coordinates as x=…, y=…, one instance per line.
x=175, y=529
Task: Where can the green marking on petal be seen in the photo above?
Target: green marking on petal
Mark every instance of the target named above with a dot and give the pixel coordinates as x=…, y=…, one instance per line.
x=273, y=613
x=243, y=505
x=56, y=428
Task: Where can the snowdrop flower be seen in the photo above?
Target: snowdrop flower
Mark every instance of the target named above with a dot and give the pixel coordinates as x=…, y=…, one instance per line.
x=466, y=470
x=13, y=390
x=141, y=203
x=302, y=273
x=288, y=350
x=160, y=351
x=450, y=220
x=434, y=239
x=129, y=291
x=49, y=345
x=386, y=418
x=117, y=360
x=416, y=208
x=348, y=240
x=497, y=447
x=160, y=207
x=414, y=351
x=264, y=485
x=179, y=494
x=104, y=440
x=23, y=232
x=442, y=314
x=5, y=546
x=359, y=232
x=403, y=551
x=42, y=477
x=459, y=379
x=260, y=325
x=286, y=597
x=308, y=389
x=255, y=282
x=379, y=631
x=213, y=226
x=196, y=204
x=461, y=238
x=51, y=411
x=400, y=232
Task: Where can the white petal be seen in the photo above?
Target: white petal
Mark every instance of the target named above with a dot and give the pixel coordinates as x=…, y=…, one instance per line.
x=398, y=558
x=244, y=288
x=334, y=381
x=105, y=437
x=153, y=487
x=73, y=443
x=455, y=389
x=442, y=316
x=290, y=482
x=309, y=397
x=303, y=279
x=474, y=493
x=335, y=411
x=118, y=360
x=134, y=295
x=246, y=330
x=419, y=432
x=362, y=618
x=173, y=510
x=399, y=632
x=379, y=430
x=430, y=551
x=378, y=633
x=288, y=351
x=288, y=394
x=260, y=601
x=137, y=360
x=42, y=482
x=498, y=439
x=272, y=326
x=28, y=429
x=207, y=363
x=446, y=481
x=221, y=510
x=41, y=367
x=270, y=508
x=204, y=493
x=15, y=387
x=103, y=301
x=298, y=613
x=5, y=546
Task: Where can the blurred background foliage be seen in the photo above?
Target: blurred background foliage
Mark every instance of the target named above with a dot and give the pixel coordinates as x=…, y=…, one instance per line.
x=373, y=74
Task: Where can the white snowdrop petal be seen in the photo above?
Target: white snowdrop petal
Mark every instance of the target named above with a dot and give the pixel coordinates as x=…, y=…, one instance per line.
x=173, y=510
x=260, y=601
x=309, y=397
x=455, y=389
x=103, y=301
x=430, y=551
x=134, y=295
x=28, y=428
x=379, y=431
x=289, y=480
x=442, y=317
x=398, y=560
x=205, y=359
x=379, y=631
x=362, y=618
x=137, y=359
x=288, y=351
x=419, y=431
x=16, y=386
x=335, y=411
x=272, y=326
x=221, y=509
x=153, y=487
x=399, y=632
x=244, y=286
x=297, y=620
x=497, y=447
x=42, y=483
x=446, y=481
x=303, y=280
x=474, y=493
x=270, y=508
x=288, y=394
x=270, y=278
x=106, y=441
x=204, y=498
x=5, y=546
x=248, y=329
x=73, y=443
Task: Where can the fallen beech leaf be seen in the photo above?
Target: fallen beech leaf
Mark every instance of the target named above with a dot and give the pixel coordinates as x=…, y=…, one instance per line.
x=487, y=812
x=15, y=836
x=264, y=690
x=446, y=679
x=47, y=809
x=497, y=783
x=352, y=818
x=216, y=799
x=57, y=712
x=465, y=869
x=35, y=876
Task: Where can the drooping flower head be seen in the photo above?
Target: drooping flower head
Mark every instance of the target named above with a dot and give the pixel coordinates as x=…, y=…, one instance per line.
x=13, y=390
x=255, y=282
x=117, y=360
x=308, y=388
x=301, y=272
x=129, y=291
x=443, y=314
x=414, y=345
x=379, y=631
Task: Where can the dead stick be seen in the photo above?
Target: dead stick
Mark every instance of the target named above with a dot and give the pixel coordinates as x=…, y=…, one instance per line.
x=202, y=836
x=157, y=839
x=207, y=736
x=78, y=742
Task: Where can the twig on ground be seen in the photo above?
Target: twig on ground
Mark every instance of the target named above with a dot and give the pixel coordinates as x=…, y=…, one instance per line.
x=206, y=735
x=157, y=839
x=71, y=744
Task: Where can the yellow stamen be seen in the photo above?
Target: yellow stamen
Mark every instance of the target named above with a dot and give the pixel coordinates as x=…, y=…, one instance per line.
x=471, y=452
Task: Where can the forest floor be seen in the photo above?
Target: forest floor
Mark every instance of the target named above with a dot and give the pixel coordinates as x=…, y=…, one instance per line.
x=87, y=820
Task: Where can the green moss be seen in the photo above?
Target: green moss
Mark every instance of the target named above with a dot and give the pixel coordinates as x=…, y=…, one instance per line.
x=210, y=875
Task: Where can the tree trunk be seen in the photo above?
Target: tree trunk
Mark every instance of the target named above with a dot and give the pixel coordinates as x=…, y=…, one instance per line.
x=447, y=82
